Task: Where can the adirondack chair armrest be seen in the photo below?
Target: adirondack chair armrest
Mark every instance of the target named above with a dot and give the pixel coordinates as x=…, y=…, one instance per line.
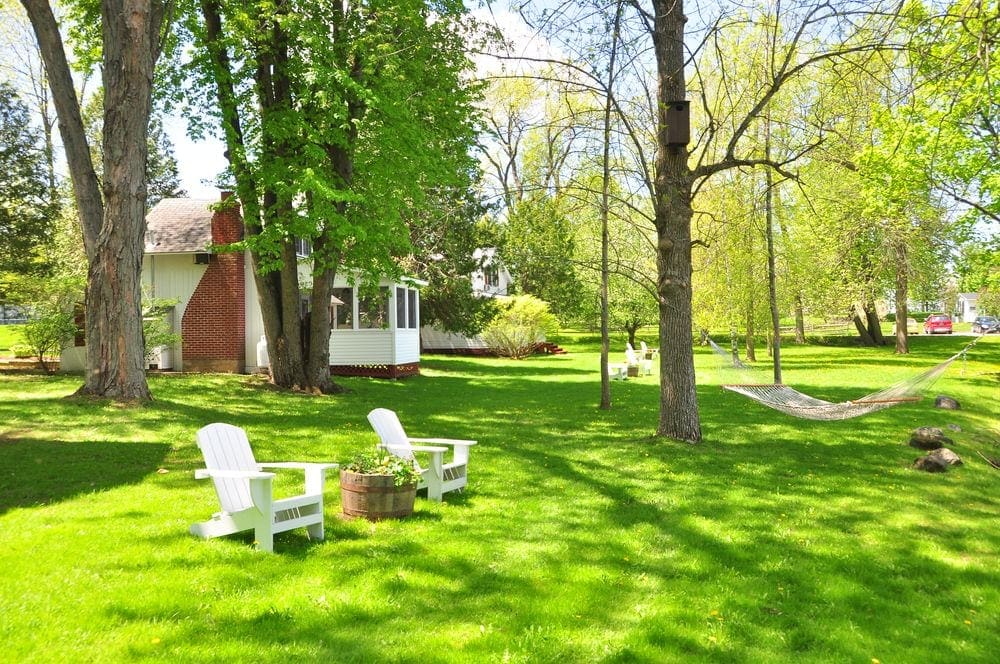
x=205, y=473
x=443, y=441
x=299, y=465
x=421, y=448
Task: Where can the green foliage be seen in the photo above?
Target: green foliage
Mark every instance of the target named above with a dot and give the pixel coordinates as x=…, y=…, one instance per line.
x=379, y=462
x=443, y=242
x=156, y=330
x=22, y=350
x=538, y=249
x=27, y=203
x=47, y=333
x=978, y=268
x=521, y=323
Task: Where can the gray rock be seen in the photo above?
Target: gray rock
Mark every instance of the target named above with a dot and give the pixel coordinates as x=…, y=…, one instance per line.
x=929, y=438
x=946, y=455
x=947, y=403
x=931, y=464
x=954, y=427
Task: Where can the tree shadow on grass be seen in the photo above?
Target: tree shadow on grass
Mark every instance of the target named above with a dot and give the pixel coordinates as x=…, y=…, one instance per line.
x=39, y=472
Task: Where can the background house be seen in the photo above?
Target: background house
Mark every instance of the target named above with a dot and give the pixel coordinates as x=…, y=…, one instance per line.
x=966, y=307
x=491, y=280
x=218, y=314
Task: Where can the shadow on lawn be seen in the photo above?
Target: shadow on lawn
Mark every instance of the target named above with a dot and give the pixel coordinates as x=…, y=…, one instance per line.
x=40, y=472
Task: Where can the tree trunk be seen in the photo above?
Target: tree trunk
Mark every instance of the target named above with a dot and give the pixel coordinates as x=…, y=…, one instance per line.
x=902, y=293
x=605, y=198
x=772, y=278
x=673, y=182
x=800, y=320
x=859, y=325
x=113, y=230
x=631, y=328
x=874, y=326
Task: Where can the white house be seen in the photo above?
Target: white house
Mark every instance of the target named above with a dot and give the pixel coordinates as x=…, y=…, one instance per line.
x=967, y=310
x=218, y=314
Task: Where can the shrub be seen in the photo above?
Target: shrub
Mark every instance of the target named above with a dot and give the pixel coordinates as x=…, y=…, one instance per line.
x=520, y=324
x=21, y=351
x=156, y=331
x=48, y=333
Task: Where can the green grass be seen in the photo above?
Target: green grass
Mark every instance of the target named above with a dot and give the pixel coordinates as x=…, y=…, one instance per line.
x=581, y=538
x=9, y=335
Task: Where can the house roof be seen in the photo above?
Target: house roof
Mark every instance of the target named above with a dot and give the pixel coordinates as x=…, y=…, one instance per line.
x=179, y=226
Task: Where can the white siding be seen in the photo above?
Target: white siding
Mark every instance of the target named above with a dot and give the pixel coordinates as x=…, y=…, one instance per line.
x=435, y=339
x=407, y=346
x=351, y=347
x=172, y=276
x=254, y=320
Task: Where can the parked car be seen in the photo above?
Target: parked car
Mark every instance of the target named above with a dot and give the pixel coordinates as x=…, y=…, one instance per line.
x=985, y=325
x=937, y=324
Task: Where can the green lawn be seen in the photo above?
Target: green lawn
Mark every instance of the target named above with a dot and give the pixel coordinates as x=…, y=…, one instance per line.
x=9, y=335
x=581, y=538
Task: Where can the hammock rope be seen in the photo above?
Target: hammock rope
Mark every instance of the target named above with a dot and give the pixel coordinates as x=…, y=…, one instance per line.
x=792, y=402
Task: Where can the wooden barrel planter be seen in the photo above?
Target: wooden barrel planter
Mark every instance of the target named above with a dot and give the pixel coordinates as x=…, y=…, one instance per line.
x=375, y=497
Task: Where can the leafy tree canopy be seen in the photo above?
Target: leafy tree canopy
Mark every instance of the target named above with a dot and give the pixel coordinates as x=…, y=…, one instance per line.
x=26, y=201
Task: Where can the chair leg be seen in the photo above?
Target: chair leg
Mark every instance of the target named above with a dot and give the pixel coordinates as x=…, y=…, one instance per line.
x=260, y=493
x=316, y=531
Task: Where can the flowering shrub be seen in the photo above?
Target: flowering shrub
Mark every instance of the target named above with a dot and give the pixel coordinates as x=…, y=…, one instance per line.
x=521, y=324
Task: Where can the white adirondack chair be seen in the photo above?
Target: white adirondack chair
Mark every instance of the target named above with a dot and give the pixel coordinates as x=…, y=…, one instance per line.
x=634, y=360
x=439, y=477
x=646, y=351
x=245, y=491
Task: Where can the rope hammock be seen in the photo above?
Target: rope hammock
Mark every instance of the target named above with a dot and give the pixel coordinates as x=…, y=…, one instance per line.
x=792, y=402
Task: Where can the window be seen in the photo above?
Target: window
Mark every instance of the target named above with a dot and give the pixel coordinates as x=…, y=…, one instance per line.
x=400, y=308
x=412, y=308
x=343, y=314
x=491, y=276
x=373, y=311
x=303, y=247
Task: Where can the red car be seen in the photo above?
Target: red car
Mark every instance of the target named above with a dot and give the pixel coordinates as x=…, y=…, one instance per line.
x=937, y=324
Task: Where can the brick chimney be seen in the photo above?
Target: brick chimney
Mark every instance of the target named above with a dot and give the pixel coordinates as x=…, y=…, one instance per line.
x=214, y=323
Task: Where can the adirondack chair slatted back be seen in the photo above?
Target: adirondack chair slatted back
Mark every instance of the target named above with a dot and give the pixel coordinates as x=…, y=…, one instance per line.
x=630, y=355
x=226, y=447
x=390, y=432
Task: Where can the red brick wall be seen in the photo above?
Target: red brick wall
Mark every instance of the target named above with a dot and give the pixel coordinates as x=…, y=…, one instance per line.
x=214, y=323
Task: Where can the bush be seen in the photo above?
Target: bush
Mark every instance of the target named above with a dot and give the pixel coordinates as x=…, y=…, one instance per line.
x=520, y=325
x=21, y=351
x=156, y=331
x=47, y=334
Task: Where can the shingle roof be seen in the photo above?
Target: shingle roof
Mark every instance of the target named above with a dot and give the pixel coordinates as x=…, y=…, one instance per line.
x=178, y=226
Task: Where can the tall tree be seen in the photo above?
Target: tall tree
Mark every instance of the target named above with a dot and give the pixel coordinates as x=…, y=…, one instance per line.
x=113, y=220
x=26, y=204
x=341, y=120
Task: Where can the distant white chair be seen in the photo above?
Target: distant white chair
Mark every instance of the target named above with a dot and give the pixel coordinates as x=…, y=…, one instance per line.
x=634, y=360
x=439, y=477
x=646, y=351
x=245, y=493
